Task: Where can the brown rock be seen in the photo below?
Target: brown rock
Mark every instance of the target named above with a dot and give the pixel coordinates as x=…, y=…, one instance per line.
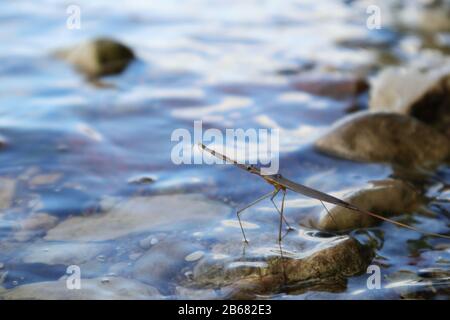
x=99, y=57
x=266, y=271
x=385, y=137
x=384, y=197
x=424, y=95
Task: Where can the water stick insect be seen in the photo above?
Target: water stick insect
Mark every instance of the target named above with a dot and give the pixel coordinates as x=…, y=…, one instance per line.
x=282, y=184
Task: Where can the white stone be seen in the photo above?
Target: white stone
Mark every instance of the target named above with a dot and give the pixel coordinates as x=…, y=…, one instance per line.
x=194, y=256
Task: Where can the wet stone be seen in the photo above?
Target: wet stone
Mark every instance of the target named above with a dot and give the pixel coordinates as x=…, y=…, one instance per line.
x=2, y=142
x=35, y=225
x=194, y=256
x=424, y=95
x=385, y=137
x=424, y=16
x=165, y=261
x=7, y=189
x=335, y=86
x=385, y=197
x=115, y=288
x=119, y=268
x=261, y=269
x=45, y=179
x=66, y=253
x=99, y=57
x=141, y=180
x=140, y=214
x=146, y=243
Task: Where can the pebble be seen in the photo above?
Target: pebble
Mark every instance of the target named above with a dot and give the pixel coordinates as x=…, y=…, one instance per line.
x=194, y=256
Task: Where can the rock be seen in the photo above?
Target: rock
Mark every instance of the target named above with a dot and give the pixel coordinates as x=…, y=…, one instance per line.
x=7, y=189
x=34, y=225
x=434, y=273
x=164, y=261
x=336, y=86
x=194, y=256
x=384, y=197
x=2, y=142
x=66, y=253
x=141, y=180
x=112, y=288
x=134, y=255
x=183, y=293
x=414, y=16
x=3, y=275
x=99, y=57
x=425, y=16
x=140, y=214
x=423, y=94
x=262, y=270
x=147, y=242
x=385, y=137
x=45, y=179
x=424, y=284
x=119, y=268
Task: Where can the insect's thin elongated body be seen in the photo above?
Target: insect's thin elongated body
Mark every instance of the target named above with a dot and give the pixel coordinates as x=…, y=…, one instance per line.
x=283, y=184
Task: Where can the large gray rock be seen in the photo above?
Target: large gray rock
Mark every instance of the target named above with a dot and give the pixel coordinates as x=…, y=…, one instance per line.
x=384, y=197
x=98, y=57
x=423, y=94
x=385, y=137
x=263, y=270
x=110, y=288
x=140, y=214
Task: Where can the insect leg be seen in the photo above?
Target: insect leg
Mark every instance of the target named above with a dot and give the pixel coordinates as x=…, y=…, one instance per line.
x=281, y=216
x=276, y=207
x=329, y=213
x=248, y=206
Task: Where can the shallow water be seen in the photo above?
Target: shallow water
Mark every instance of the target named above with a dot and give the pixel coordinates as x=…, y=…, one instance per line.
x=231, y=65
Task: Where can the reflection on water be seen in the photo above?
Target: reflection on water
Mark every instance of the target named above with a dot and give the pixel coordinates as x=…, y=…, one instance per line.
x=74, y=151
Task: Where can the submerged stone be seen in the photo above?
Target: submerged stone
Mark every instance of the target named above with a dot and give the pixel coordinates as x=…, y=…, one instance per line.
x=115, y=288
x=67, y=253
x=139, y=214
x=164, y=261
x=44, y=179
x=34, y=225
x=384, y=197
x=7, y=190
x=196, y=294
x=99, y=57
x=385, y=137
